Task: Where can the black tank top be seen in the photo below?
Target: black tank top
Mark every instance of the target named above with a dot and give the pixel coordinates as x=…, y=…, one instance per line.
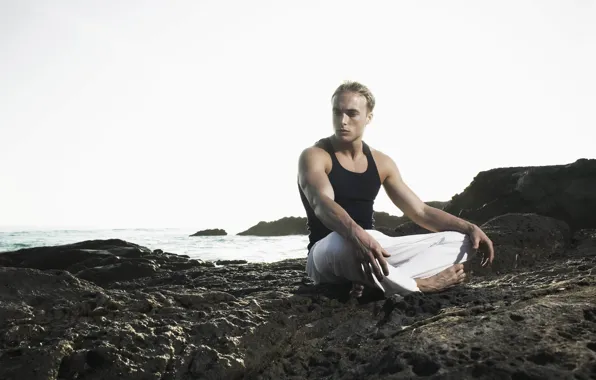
x=354, y=192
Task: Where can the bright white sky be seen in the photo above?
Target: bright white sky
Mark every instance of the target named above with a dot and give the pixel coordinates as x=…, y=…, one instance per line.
x=192, y=113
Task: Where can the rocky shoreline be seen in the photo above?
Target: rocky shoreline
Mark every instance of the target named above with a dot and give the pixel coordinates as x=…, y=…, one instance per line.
x=111, y=309
x=114, y=310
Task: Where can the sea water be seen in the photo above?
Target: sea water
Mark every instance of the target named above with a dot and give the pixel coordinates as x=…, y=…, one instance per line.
x=178, y=241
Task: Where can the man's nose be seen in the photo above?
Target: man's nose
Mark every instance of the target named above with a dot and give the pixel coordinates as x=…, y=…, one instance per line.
x=344, y=119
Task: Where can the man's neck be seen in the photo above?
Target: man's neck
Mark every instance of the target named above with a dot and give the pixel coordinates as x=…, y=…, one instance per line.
x=353, y=148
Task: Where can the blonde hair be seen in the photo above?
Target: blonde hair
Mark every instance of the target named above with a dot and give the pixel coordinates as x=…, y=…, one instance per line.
x=358, y=88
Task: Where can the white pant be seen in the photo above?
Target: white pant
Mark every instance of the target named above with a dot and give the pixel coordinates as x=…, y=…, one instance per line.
x=331, y=259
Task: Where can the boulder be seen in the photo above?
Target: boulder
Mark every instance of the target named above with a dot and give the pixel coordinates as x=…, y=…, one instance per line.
x=285, y=226
x=584, y=242
x=523, y=240
x=64, y=256
x=564, y=192
x=211, y=232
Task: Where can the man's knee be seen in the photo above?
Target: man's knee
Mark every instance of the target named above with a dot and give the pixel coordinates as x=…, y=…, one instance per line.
x=337, y=255
x=330, y=250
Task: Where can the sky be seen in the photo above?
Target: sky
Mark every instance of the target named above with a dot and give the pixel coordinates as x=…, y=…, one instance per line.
x=192, y=114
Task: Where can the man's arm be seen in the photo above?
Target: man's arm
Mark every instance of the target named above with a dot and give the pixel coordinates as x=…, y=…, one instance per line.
x=317, y=189
x=427, y=216
x=419, y=212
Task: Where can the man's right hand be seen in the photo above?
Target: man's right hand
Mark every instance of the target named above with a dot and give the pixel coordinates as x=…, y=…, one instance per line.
x=371, y=255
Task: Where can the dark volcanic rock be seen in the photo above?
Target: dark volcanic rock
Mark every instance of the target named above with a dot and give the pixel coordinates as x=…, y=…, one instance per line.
x=285, y=226
x=101, y=260
x=125, y=271
x=565, y=192
x=230, y=262
x=584, y=242
x=178, y=318
x=63, y=256
x=211, y=232
x=522, y=240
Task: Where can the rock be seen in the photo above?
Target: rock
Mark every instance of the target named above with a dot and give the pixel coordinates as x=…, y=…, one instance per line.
x=64, y=256
x=533, y=316
x=230, y=262
x=584, y=242
x=522, y=240
x=281, y=227
x=125, y=271
x=34, y=363
x=209, y=364
x=212, y=232
x=565, y=192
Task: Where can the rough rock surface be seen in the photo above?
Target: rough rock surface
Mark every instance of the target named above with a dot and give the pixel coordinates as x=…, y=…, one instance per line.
x=565, y=192
x=211, y=232
x=114, y=310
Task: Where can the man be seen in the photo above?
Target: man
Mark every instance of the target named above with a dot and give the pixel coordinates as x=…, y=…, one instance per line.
x=339, y=178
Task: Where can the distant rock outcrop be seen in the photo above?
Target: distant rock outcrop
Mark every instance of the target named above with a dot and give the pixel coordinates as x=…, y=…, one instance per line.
x=212, y=232
x=285, y=226
x=297, y=225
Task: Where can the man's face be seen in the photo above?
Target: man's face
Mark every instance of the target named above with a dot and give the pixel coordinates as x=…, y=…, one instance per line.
x=350, y=116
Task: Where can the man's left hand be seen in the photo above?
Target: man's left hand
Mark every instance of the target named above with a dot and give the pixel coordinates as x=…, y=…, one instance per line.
x=478, y=238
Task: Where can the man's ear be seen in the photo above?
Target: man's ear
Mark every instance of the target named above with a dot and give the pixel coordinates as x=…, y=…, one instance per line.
x=369, y=118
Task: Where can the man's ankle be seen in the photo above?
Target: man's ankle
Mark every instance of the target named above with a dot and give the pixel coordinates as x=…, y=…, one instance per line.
x=422, y=284
x=425, y=285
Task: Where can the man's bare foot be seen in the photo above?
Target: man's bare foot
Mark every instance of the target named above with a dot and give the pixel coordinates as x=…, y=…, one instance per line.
x=357, y=289
x=447, y=278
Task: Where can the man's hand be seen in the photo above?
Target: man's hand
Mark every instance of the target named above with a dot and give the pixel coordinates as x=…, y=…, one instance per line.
x=371, y=255
x=478, y=237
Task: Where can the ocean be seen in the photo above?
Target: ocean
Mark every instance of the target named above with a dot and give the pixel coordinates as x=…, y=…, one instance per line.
x=178, y=241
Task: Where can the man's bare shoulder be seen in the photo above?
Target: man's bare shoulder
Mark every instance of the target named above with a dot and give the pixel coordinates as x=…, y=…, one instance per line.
x=385, y=164
x=315, y=155
x=315, y=151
